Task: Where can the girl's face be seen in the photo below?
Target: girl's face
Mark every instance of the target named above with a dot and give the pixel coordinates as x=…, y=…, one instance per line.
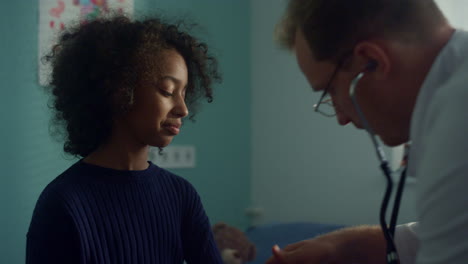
x=159, y=103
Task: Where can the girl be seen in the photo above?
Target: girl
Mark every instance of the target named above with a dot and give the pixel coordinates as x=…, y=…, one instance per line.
x=118, y=87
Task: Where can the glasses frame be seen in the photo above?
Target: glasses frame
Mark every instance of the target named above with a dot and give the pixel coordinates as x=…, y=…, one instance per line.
x=323, y=98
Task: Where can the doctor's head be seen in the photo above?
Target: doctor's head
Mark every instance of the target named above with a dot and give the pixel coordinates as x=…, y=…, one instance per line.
x=394, y=43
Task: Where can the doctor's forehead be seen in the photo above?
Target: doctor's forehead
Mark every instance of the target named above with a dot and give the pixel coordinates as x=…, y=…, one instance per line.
x=316, y=72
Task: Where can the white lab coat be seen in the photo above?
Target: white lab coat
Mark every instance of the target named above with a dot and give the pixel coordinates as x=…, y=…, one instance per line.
x=438, y=160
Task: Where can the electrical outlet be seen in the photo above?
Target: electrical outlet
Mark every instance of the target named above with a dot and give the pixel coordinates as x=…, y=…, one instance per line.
x=174, y=157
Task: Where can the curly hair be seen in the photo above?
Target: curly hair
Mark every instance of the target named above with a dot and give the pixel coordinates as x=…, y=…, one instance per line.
x=97, y=65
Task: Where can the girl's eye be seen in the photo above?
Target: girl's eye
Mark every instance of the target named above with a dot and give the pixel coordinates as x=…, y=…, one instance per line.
x=166, y=93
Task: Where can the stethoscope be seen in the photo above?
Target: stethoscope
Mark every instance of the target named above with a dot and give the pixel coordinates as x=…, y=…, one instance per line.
x=388, y=230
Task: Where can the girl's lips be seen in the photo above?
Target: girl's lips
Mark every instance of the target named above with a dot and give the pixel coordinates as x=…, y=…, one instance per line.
x=173, y=129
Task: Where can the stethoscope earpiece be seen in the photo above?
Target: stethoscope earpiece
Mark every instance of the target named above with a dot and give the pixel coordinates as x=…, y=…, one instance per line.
x=372, y=65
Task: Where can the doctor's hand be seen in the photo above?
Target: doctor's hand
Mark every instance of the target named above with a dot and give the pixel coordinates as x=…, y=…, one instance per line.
x=363, y=244
x=307, y=251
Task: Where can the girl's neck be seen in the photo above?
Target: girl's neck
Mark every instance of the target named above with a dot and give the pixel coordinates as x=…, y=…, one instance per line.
x=120, y=155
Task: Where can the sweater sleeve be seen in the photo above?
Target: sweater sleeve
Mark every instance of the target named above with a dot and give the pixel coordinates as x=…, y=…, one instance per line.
x=198, y=241
x=52, y=236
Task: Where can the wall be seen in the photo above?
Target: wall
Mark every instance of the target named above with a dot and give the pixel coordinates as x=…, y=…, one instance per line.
x=30, y=158
x=455, y=12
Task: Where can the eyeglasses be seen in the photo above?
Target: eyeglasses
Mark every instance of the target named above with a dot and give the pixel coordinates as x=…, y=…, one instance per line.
x=325, y=98
x=328, y=110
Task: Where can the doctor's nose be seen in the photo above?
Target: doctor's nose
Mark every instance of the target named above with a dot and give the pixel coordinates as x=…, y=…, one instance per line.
x=342, y=118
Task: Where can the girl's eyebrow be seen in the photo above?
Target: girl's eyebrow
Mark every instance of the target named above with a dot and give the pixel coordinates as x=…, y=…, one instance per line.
x=173, y=79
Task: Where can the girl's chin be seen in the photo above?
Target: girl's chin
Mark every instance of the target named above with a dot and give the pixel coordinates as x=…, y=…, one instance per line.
x=162, y=143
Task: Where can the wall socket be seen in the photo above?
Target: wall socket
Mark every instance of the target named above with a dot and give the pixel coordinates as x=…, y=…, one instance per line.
x=174, y=157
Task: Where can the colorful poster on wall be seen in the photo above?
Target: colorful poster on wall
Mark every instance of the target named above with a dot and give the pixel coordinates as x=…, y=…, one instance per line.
x=55, y=15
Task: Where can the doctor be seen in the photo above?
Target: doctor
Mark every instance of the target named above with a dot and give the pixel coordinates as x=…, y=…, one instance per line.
x=408, y=68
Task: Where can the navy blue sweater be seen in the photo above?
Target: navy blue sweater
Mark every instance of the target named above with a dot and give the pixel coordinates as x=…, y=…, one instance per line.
x=91, y=214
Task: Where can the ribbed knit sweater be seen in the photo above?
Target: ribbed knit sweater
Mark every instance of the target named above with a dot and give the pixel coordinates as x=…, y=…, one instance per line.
x=91, y=214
